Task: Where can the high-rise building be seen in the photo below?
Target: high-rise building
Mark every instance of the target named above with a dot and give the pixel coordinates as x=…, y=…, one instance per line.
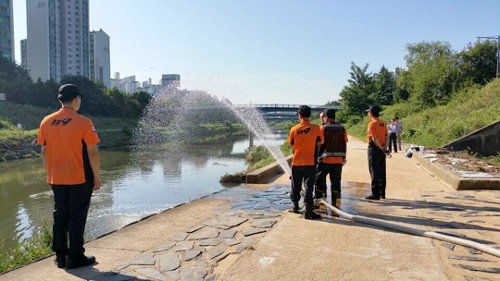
x=74, y=37
x=171, y=80
x=43, y=52
x=126, y=84
x=58, y=36
x=7, y=29
x=150, y=88
x=99, y=57
x=24, y=53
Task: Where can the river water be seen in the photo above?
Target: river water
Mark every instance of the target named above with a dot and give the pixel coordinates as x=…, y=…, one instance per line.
x=131, y=189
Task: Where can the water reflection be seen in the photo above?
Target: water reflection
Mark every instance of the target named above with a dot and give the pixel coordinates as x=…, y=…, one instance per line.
x=133, y=187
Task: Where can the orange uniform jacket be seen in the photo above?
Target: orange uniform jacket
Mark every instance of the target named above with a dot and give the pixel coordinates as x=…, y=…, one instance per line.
x=63, y=133
x=304, y=139
x=378, y=129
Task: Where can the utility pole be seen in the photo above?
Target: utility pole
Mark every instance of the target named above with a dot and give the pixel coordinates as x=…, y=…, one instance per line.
x=498, y=50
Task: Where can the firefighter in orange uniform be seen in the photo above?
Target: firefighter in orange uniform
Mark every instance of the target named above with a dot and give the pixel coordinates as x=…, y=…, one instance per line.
x=377, y=152
x=71, y=160
x=305, y=139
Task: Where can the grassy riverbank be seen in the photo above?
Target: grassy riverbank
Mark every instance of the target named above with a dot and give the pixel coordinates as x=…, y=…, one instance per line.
x=38, y=246
x=115, y=133
x=467, y=111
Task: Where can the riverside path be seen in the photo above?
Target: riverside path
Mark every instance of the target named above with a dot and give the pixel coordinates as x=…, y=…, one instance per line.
x=244, y=233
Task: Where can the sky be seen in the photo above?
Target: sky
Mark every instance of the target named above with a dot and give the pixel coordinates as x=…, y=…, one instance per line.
x=279, y=51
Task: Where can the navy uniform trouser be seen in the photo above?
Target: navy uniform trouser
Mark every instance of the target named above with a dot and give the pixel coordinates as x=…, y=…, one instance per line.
x=393, y=138
x=376, y=164
x=335, y=172
x=307, y=174
x=70, y=215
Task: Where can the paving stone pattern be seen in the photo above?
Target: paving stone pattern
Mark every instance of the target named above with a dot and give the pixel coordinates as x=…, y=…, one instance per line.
x=193, y=254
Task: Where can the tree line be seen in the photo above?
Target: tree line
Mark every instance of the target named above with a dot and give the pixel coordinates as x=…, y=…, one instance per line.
x=96, y=99
x=434, y=72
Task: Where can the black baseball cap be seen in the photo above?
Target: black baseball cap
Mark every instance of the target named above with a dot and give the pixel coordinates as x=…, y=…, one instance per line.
x=68, y=92
x=305, y=111
x=330, y=113
x=374, y=109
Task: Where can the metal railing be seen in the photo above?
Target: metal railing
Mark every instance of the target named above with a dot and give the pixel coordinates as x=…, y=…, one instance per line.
x=279, y=105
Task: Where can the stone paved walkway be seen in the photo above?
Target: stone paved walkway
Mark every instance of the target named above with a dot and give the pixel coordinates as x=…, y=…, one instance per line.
x=193, y=254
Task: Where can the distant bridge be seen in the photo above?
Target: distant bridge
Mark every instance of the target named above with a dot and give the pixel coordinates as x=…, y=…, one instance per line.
x=283, y=112
x=270, y=111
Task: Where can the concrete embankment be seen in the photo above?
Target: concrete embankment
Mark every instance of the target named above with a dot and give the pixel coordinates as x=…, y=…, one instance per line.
x=265, y=173
x=455, y=181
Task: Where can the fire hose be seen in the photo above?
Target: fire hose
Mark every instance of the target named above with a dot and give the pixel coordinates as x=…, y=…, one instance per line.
x=414, y=231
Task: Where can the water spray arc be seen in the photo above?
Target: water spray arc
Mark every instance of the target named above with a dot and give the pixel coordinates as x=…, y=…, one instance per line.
x=252, y=118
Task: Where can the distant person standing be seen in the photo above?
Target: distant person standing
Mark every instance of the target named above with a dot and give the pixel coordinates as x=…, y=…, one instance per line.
x=332, y=157
x=322, y=117
x=71, y=159
x=393, y=131
x=377, y=151
x=399, y=131
x=305, y=139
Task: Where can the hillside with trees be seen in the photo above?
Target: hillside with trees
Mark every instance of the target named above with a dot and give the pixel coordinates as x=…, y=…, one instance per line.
x=440, y=94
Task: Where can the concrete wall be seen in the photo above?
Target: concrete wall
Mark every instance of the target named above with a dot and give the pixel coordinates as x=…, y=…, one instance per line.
x=263, y=174
x=485, y=141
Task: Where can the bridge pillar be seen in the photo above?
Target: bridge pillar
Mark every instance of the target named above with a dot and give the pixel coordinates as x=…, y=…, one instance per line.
x=250, y=139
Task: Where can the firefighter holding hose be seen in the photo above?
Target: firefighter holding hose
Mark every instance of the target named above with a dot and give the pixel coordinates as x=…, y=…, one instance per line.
x=332, y=156
x=305, y=139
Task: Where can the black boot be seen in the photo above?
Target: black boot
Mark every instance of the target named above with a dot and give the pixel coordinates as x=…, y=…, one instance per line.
x=310, y=214
x=79, y=261
x=295, y=208
x=60, y=260
x=319, y=194
x=372, y=197
x=335, y=196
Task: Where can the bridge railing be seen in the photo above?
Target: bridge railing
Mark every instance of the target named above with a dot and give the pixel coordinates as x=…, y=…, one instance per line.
x=279, y=105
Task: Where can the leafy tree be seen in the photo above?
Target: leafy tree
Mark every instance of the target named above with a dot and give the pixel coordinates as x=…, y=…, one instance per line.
x=143, y=98
x=94, y=100
x=97, y=100
x=356, y=97
x=478, y=61
x=385, y=84
x=433, y=68
x=333, y=103
x=15, y=81
x=404, y=85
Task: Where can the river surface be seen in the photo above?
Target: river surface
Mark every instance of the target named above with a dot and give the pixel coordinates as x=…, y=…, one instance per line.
x=132, y=188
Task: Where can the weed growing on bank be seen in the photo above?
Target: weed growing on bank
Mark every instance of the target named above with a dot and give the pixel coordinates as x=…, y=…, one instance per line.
x=36, y=247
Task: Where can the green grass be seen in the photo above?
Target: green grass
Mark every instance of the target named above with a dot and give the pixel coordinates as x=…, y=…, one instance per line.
x=17, y=144
x=466, y=112
x=38, y=246
x=113, y=132
x=258, y=156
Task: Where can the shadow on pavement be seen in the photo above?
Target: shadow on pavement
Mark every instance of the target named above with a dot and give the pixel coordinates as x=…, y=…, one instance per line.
x=91, y=273
x=436, y=206
x=352, y=202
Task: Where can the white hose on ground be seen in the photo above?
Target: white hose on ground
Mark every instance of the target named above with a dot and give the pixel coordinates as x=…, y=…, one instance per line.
x=415, y=231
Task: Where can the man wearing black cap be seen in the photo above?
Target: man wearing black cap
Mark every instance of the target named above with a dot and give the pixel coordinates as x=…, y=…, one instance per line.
x=377, y=151
x=332, y=156
x=71, y=159
x=305, y=139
